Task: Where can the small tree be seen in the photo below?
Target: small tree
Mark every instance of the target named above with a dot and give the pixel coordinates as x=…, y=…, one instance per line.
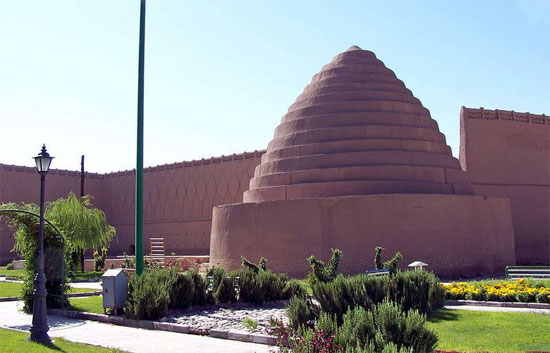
x=323, y=273
x=77, y=226
x=392, y=264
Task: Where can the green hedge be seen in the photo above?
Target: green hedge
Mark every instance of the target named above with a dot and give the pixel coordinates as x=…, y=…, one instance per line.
x=409, y=289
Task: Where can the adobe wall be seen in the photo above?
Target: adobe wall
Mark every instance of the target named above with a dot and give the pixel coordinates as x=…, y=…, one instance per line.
x=22, y=184
x=436, y=229
x=178, y=201
x=178, y=198
x=507, y=154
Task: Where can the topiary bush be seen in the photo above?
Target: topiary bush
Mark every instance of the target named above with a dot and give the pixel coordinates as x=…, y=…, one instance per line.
x=9, y=266
x=200, y=293
x=149, y=295
x=344, y=292
x=182, y=290
x=299, y=312
x=320, y=272
x=385, y=328
x=225, y=292
x=420, y=290
x=293, y=288
x=259, y=287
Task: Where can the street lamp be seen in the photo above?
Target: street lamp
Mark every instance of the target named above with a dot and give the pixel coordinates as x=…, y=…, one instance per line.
x=39, y=329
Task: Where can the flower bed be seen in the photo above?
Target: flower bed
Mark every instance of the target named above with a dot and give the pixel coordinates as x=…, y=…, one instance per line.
x=504, y=291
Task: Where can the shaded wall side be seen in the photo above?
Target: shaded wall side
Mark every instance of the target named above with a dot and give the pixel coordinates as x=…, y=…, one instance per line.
x=455, y=235
x=507, y=154
x=22, y=185
x=178, y=201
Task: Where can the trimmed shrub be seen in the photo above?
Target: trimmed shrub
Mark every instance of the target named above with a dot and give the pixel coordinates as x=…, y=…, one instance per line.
x=344, y=292
x=293, y=288
x=9, y=266
x=200, y=293
x=225, y=292
x=259, y=287
x=419, y=290
x=320, y=272
x=298, y=312
x=386, y=328
x=385, y=325
x=149, y=295
x=182, y=290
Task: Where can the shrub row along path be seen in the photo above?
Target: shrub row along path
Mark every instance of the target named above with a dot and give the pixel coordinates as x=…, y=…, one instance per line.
x=125, y=338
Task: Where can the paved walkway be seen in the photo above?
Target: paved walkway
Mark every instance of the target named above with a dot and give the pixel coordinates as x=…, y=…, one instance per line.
x=92, y=285
x=125, y=338
x=497, y=309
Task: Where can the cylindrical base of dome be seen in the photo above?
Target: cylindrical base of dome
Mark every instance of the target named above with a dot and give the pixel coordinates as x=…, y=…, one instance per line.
x=456, y=235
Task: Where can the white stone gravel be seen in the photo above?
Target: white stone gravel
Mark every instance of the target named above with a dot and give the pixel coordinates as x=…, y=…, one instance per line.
x=229, y=317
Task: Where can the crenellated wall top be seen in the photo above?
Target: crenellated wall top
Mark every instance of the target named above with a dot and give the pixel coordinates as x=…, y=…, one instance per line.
x=158, y=168
x=510, y=115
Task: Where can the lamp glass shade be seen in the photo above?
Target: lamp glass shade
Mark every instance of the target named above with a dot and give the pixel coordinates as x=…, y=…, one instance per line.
x=43, y=161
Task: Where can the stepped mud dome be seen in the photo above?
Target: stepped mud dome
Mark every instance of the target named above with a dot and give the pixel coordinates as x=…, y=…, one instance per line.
x=358, y=162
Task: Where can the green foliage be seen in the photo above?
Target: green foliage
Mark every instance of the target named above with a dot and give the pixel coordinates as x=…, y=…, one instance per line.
x=259, y=287
x=83, y=226
x=261, y=266
x=320, y=272
x=378, y=258
x=385, y=328
x=182, y=290
x=26, y=245
x=225, y=292
x=149, y=295
x=200, y=294
x=386, y=324
x=250, y=323
x=298, y=312
x=293, y=288
x=99, y=259
x=337, y=296
x=79, y=227
x=409, y=289
x=419, y=290
x=392, y=264
x=9, y=266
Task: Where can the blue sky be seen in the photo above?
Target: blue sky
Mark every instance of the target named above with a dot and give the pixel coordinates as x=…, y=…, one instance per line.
x=221, y=74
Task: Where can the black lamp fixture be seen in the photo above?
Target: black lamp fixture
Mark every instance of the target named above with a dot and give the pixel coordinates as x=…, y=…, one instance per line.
x=39, y=329
x=43, y=161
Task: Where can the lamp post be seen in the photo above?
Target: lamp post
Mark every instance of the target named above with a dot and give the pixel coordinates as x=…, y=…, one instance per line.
x=39, y=329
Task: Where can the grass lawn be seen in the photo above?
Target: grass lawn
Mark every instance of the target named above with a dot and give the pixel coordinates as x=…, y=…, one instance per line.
x=11, y=273
x=16, y=342
x=13, y=289
x=87, y=304
x=473, y=331
x=19, y=274
x=88, y=275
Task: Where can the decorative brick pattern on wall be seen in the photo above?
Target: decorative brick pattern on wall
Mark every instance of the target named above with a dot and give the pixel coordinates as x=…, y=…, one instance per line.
x=178, y=198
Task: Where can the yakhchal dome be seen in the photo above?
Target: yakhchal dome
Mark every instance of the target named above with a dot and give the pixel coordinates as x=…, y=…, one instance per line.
x=357, y=162
x=356, y=130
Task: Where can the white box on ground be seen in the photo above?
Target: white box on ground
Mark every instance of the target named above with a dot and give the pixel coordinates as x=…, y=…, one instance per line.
x=115, y=289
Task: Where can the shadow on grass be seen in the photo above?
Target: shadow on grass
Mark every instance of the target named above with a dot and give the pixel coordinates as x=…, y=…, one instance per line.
x=52, y=346
x=442, y=315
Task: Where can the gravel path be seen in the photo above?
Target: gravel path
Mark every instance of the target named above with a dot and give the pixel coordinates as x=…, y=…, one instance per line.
x=230, y=317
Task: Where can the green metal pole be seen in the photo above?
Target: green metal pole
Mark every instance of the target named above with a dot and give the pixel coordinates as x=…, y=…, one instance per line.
x=139, y=164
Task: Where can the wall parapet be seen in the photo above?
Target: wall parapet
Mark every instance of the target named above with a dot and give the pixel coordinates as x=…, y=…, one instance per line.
x=158, y=168
x=510, y=115
x=192, y=163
